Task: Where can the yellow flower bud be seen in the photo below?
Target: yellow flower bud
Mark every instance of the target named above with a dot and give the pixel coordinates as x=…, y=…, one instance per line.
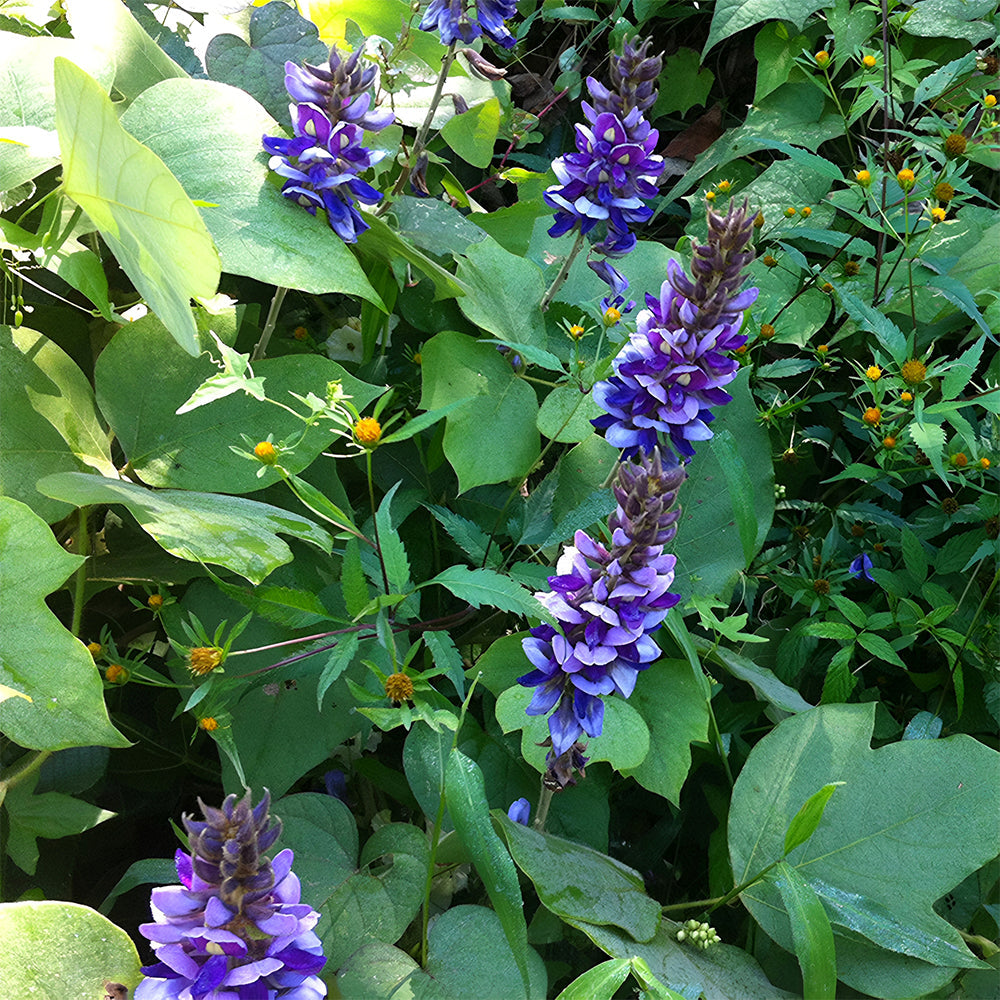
x=368, y=432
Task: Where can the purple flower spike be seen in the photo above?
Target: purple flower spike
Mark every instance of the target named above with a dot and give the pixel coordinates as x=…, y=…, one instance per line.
x=234, y=929
x=466, y=20
x=607, y=602
x=861, y=566
x=671, y=372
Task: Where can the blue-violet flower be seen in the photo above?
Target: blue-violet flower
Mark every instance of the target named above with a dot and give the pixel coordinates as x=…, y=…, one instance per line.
x=455, y=20
x=234, y=929
x=676, y=362
x=861, y=566
x=520, y=811
x=607, y=601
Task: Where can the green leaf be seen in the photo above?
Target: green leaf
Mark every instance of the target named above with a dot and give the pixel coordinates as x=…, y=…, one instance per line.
x=683, y=84
x=803, y=824
x=155, y=871
x=259, y=233
x=485, y=586
x=472, y=540
x=731, y=16
x=580, y=884
x=566, y=413
x=879, y=647
x=382, y=972
x=422, y=422
x=277, y=34
x=802, y=158
x=870, y=319
x=923, y=726
x=465, y=793
x=394, y=560
x=234, y=532
x=352, y=579
x=762, y=680
x=811, y=932
x=670, y=699
x=135, y=202
x=913, y=820
x=339, y=660
x=50, y=815
x=39, y=658
x=775, y=50
x=951, y=19
x=50, y=421
x=830, y=630
x=929, y=438
x=447, y=658
x=63, y=951
x=914, y=556
x=424, y=755
x=473, y=133
x=599, y=983
x=454, y=367
x=741, y=490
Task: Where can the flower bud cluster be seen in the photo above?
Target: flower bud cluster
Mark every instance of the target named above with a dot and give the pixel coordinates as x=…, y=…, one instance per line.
x=678, y=359
x=607, y=600
x=235, y=927
x=323, y=162
x=698, y=934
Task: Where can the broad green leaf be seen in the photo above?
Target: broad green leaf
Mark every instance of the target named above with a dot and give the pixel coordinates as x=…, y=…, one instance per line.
x=383, y=972
x=135, y=202
x=801, y=158
x=566, y=413
x=465, y=793
x=923, y=726
x=683, y=83
x=722, y=972
x=731, y=16
x=775, y=49
x=811, y=932
x=39, y=658
x=234, y=532
x=803, y=824
x=108, y=26
x=50, y=420
x=952, y=19
x=473, y=133
x=49, y=815
x=508, y=309
x=709, y=546
x=830, y=630
x=63, y=951
x=486, y=586
x=913, y=820
x=28, y=101
x=671, y=701
x=741, y=490
x=599, y=983
x=209, y=135
x=578, y=883
x=880, y=647
x=624, y=743
x=456, y=366
x=277, y=34
x=425, y=753
x=762, y=680
x=155, y=871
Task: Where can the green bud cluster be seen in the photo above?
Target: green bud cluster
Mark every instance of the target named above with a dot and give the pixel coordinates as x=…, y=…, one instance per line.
x=698, y=934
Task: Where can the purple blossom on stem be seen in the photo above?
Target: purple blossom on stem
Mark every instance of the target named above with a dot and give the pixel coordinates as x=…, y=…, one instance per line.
x=861, y=566
x=234, y=929
x=520, y=811
x=322, y=163
x=672, y=370
x=468, y=19
x=607, y=601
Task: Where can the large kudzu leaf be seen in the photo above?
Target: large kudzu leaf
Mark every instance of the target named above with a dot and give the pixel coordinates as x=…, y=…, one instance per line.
x=473, y=133
x=138, y=206
x=108, y=26
x=455, y=366
x=911, y=821
x=63, y=703
x=209, y=134
x=28, y=100
x=383, y=972
x=731, y=16
x=62, y=951
x=710, y=553
x=722, y=972
x=192, y=450
x=580, y=884
x=234, y=532
x=278, y=34
x=50, y=422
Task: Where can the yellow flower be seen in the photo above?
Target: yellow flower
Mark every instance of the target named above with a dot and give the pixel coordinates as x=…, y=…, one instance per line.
x=822, y=57
x=872, y=416
x=769, y=261
x=611, y=316
x=863, y=177
x=823, y=348
x=913, y=371
x=766, y=331
x=758, y=220
x=741, y=350
x=889, y=441
x=960, y=460
x=576, y=331
x=300, y=333
x=155, y=601
x=116, y=674
x=204, y=659
x=821, y=586
x=955, y=144
x=984, y=463
x=906, y=179
x=398, y=688
x=208, y=724
x=709, y=196
x=806, y=212
x=789, y=212
x=990, y=101
x=874, y=372
x=906, y=397
x=368, y=432
x=95, y=649
x=851, y=267
x=944, y=192
x=868, y=62
x=723, y=187
x=826, y=287
x=266, y=452
x=938, y=214
x=418, y=358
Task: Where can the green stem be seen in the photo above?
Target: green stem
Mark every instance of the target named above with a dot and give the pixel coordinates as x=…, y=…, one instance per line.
x=79, y=591
x=269, y=324
x=563, y=272
x=544, y=801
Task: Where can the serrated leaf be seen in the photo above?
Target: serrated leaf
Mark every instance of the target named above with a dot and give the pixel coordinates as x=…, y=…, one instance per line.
x=339, y=660
x=485, y=586
x=830, y=630
x=929, y=438
x=393, y=552
x=886, y=332
x=353, y=584
x=878, y=646
x=473, y=541
x=138, y=206
x=447, y=658
x=839, y=681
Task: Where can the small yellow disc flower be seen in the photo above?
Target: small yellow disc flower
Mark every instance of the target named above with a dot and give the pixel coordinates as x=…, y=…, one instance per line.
x=209, y=724
x=874, y=372
x=709, y=196
x=906, y=179
x=960, y=460
x=913, y=371
x=806, y=212
x=204, y=659
x=868, y=62
x=984, y=463
x=821, y=586
x=955, y=144
x=368, y=432
x=723, y=187
x=889, y=442
x=758, y=220
x=863, y=177
x=611, y=316
x=95, y=649
x=155, y=601
x=116, y=674
x=990, y=100
x=789, y=212
x=822, y=57
x=769, y=261
x=852, y=267
x=766, y=331
x=944, y=192
x=398, y=688
x=300, y=333
x=938, y=214
x=872, y=416
x=823, y=349
x=266, y=452
x=576, y=331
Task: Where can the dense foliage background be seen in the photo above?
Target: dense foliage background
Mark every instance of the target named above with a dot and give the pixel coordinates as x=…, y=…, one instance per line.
x=275, y=505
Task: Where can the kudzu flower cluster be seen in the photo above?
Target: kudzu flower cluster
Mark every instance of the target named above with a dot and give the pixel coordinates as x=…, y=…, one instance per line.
x=234, y=929
x=607, y=600
x=332, y=109
x=468, y=19
x=671, y=372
